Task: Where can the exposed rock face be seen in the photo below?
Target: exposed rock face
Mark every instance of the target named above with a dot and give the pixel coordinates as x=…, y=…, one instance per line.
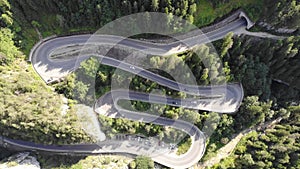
x=20, y=161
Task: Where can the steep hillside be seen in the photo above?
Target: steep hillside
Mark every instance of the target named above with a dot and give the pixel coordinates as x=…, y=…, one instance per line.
x=281, y=16
x=276, y=146
x=29, y=109
x=261, y=58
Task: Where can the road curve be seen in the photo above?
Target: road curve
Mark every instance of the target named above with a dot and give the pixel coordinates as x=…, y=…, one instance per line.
x=186, y=160
x=223, y=98
x=49, y=68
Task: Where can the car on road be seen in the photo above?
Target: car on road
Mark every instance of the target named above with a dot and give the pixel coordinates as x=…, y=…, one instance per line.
x=129, y=137
x=172, y=146
x=147, y=142
x=139, y=139
x=161, y=144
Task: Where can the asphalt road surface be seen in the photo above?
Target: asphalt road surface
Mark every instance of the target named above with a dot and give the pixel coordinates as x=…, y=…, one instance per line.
x=218, y=98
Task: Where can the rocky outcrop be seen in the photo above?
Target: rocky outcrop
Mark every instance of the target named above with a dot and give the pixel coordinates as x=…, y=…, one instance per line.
x=20, y=161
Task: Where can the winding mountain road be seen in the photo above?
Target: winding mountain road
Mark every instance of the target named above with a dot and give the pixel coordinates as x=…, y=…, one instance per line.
x=222, y=98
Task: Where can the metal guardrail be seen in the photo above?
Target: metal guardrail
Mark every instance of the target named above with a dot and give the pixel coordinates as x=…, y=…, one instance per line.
x=38, y=44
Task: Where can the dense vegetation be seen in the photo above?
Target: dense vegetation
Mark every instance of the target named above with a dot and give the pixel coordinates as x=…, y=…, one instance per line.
x=6, y=15
x=63, y=17
x=276, y=146
x=97, y=13
x=253, y=68
x=92, y=79
x=285, y=13
x=82, y=90
x=142, y=162
x=256, y=62
x=103, y=162
x=30, y=110
x=8, y=51
x=263, y=60
x=212, y=10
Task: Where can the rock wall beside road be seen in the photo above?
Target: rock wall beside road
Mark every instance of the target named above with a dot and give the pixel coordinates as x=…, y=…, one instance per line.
x=20, y=161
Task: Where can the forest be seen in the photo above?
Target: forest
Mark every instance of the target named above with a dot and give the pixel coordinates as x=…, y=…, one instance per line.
x=241, y=62
x=274, y=147
x=30, y=110
x=268, y=69
x=97, y=12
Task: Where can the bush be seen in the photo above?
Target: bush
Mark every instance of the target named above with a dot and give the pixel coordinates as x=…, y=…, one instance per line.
x=143, y=162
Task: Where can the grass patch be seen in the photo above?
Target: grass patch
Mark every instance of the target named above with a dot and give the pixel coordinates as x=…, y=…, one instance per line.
x=206, y=13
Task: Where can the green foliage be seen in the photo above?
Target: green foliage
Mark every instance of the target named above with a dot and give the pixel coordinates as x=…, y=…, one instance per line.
x=35, y=24
x=254, y=61
x=275, y=147
x=4, y=4
x=5, y=14
x=184, y=146
x=282, y=13
x=64, y=15
x=252, y=112
x=132, y=165
x=8, y=51
x=251, y=61
x=206, y=66
x=31, y=111
x=103, y=162
x=80, y=85
x=6, y=18
x=283, y=65
x=80, y=91
x=227, y=43
x=210, y=11
x=143, y=162
x=247, y=67
x=224, y=130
